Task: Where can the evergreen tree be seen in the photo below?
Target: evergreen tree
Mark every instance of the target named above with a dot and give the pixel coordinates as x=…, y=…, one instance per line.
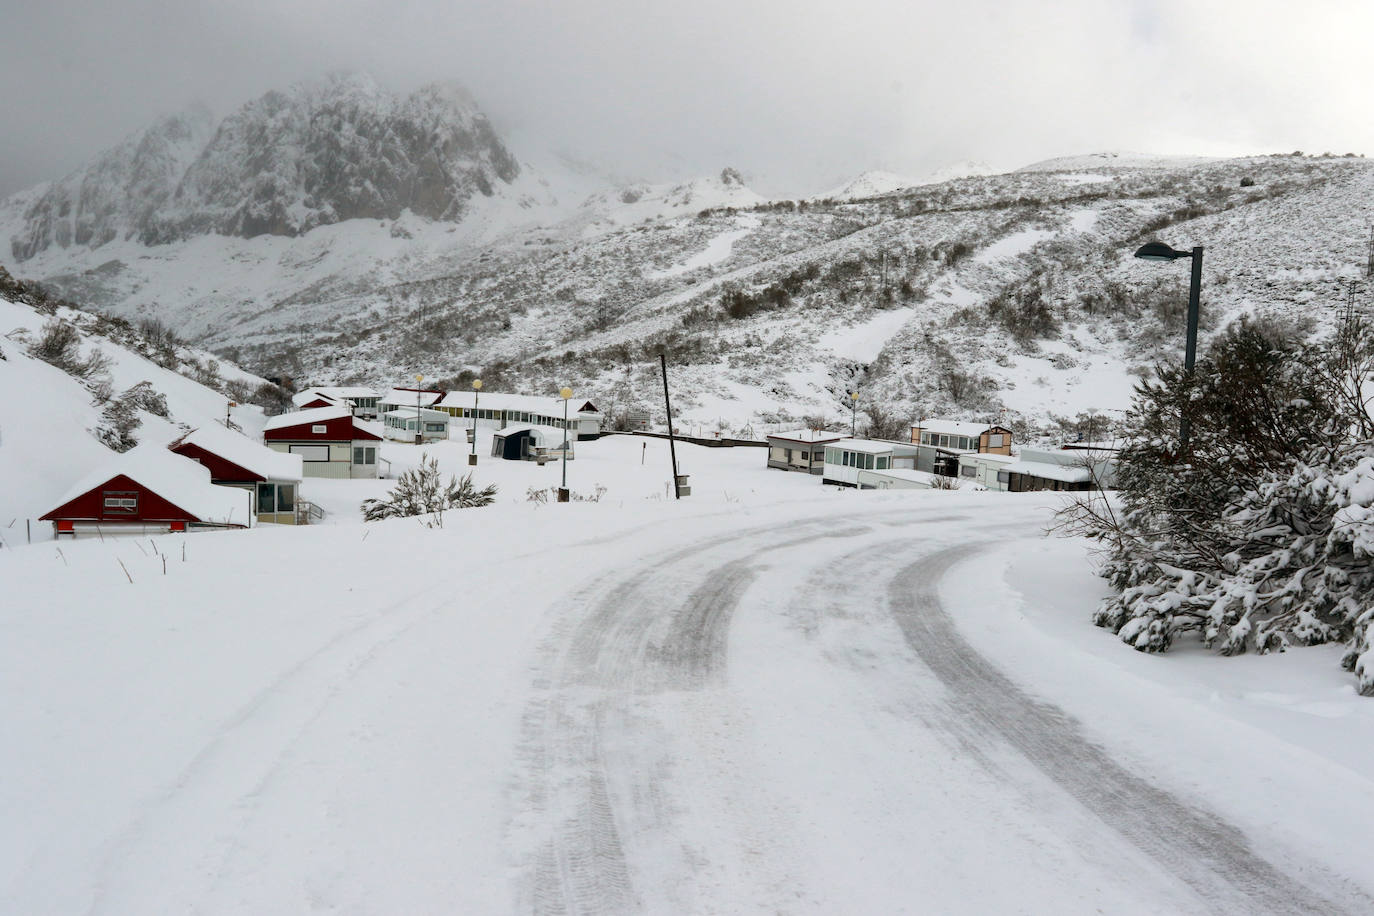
x=1260, y=534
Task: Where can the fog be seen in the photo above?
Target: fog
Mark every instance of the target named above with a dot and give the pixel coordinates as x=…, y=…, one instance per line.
x=800, y=95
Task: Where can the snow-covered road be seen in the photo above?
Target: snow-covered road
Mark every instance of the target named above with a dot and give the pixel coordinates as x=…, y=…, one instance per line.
x=652, y=767
x=740, y=707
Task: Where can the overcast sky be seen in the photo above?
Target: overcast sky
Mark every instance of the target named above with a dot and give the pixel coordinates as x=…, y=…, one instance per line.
x=799, y=94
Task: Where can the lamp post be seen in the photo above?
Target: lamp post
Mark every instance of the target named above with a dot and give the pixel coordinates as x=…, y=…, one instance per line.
x=853, y=406
x=476, y=388
x=565, y=393
x=418, y=427
x=1158, y=251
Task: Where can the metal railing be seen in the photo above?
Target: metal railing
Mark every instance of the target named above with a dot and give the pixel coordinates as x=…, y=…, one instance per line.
x=307, y=512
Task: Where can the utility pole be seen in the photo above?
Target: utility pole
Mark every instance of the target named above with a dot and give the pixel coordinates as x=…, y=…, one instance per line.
x=1369, y=255
x=672, y=447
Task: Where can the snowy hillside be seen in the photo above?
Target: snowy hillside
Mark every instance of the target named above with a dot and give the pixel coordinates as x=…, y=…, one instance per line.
x=51, y=420
x=1010, y=295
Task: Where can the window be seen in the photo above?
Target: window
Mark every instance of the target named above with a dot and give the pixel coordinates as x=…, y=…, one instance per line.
x=120, y=503
x=943, y=441
x=996, y=441
x=276, y=497
x=1003, y=476
x=318, y=428
x=311, y=452
x=868, y=462
x=967, y=470
x=882, y=462
x=364, y=454
x=434, y=427
x=832, y=456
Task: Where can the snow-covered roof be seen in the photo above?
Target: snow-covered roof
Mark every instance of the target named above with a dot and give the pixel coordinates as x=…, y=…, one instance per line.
x=313, y=415
x=1048, y=471
x=808, y=435
x=247, y=454
x=987, y=457
x=333, y=391
x=181, y=481
x=952, y=427
x=524, y=403
x=313, y=394
x=866, y=446
x=541, y=434
x=402, y=397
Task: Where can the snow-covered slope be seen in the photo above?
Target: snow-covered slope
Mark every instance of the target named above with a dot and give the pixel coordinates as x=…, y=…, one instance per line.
x=1010, y=295
x=48, y=418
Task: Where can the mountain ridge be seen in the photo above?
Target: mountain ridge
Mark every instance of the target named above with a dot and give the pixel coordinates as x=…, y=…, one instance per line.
x=319, y=153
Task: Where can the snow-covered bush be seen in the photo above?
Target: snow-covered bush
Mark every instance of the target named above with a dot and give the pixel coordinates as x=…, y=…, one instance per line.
x=421, y=491
x=59, y=344
x=543, y=495
x=145, y=397
x=1259, y=535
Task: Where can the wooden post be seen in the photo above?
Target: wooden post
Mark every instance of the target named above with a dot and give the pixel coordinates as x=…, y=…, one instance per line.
x=668, y=404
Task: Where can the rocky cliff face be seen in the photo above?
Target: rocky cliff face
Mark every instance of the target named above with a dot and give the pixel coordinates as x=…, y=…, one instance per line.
x=319, y=153
x=118, y=192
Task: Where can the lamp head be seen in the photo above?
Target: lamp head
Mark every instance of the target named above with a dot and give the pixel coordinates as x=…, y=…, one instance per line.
x=477, y=384
x=419, y=379
x=1158, y=251
x=565, y=392
x=853, y=395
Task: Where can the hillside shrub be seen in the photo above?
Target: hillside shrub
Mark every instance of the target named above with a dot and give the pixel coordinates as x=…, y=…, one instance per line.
x=421, y=491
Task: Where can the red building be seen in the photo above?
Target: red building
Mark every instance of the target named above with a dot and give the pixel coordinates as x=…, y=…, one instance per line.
x=149, y=490
x=330, y=441
x=235, y=460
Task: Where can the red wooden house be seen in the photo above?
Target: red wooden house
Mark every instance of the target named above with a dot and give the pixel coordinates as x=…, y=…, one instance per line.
x=149, y=490
x=235, y=460
x=330, y=440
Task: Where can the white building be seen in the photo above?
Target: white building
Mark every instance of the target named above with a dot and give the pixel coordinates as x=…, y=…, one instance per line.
x=859, y=463
x=800, y=450
x=1075, y=469
x=362, y=401
x=402, y=423
x=408, y=397
x=330, y=440
x=983, y=468
x=498, y=411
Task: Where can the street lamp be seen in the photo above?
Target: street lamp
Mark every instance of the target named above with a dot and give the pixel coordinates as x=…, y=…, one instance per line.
x=565, y=392
x=476, y=388
x=418, y=427
x=853, y=406
x=1158, y=251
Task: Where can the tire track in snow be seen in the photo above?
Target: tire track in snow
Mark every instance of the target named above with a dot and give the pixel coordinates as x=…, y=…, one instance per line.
x=597, y=770
x=1210, y=855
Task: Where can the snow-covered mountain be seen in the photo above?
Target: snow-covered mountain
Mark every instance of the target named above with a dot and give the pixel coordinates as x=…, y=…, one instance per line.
x=308, y=237
x=317, y=154
x=120, y=193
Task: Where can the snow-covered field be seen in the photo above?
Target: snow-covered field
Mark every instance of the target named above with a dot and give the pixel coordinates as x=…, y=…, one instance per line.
x=768, y=696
